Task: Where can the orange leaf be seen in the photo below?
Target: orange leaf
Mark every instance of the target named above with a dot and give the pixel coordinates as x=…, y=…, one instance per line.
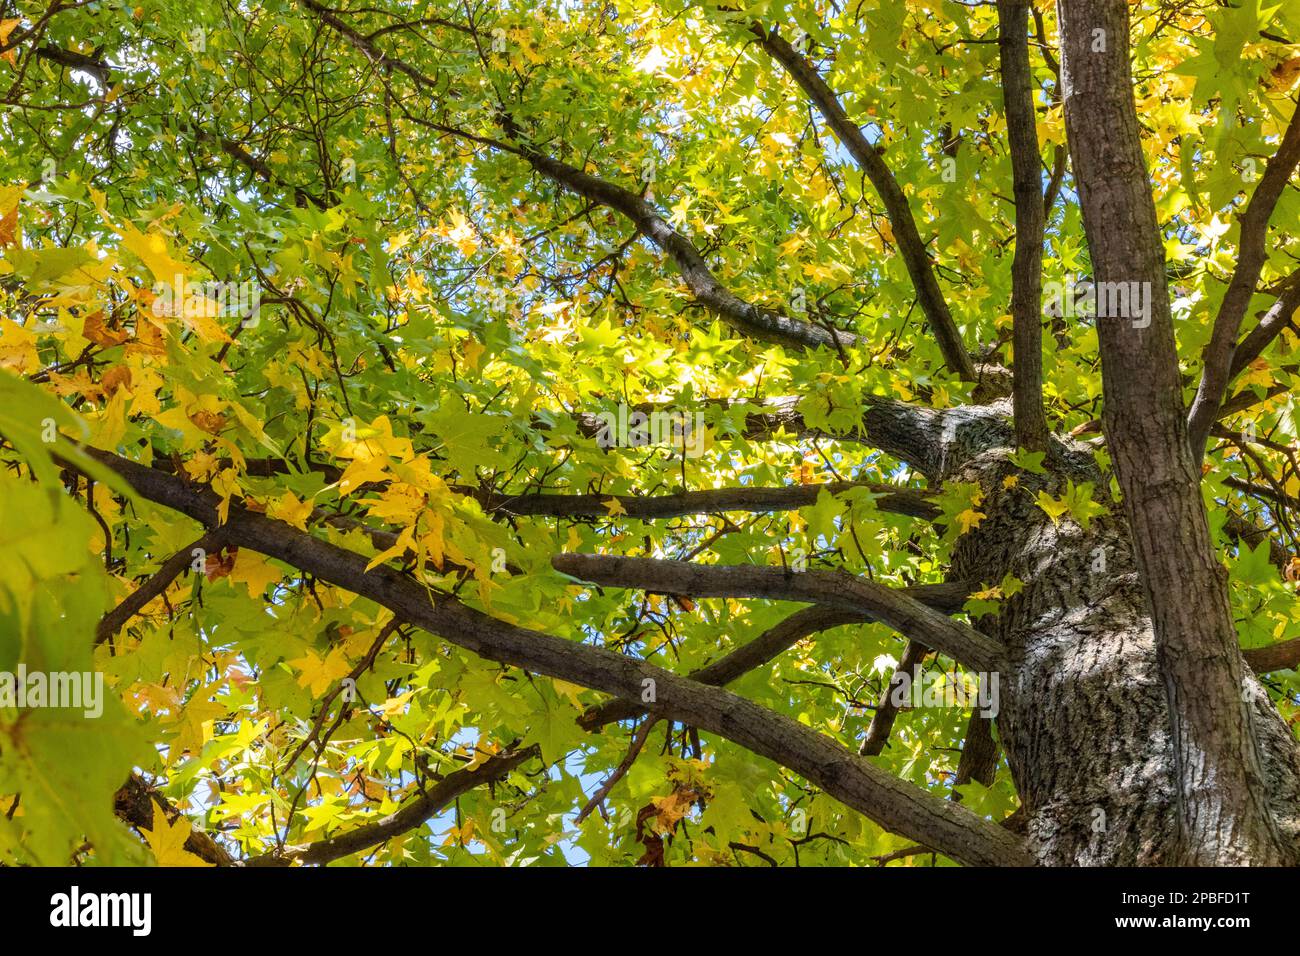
x=210, y=422
x=96, y=331
x=118, y=376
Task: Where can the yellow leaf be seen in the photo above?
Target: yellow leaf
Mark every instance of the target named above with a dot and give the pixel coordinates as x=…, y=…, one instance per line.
x=320, y=675
x=360, y=472
x=396, y=705
x=255, y=571
x=291, y=511
x=152, y=250
x=9, y=199
x=614, y=507
x=569, y=691
x=461, y=234
x=1257, y=373
x=970, y=518
x=194, y=728
x=225, y=484
x=17, y=348
x=1053, y=507
x=399, y=505
x=434, y=542
x=473, y=352
x=6, y=28
x=168, y=841
x=405, y=542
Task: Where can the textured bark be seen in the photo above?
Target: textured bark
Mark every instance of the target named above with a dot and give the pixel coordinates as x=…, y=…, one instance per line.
x=1083, y=718
x=138, y=804
x=1222, y=808
x=923, y=437
x=1284, y=655
x=979, y=752
x=1277, y=318
x=1133, y=732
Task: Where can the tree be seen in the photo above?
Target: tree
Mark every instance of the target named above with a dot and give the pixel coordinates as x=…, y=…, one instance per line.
x=749, y=434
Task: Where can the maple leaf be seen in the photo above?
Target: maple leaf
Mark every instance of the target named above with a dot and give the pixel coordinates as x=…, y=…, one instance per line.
x=461, y=234
x=320, y=675
x=94, y=329
x=210, y=422
x=219, y=564
x=289, y=509
x=168, y=841
x=362, y=471
x=119, y=376
x=255, y=571
x=10, y=197
x=473, y=350
x=970, y=518
x=194, y=726
x=1052, y=506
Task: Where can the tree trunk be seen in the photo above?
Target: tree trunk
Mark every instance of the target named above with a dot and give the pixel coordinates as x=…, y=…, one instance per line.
x=1222, y=796
x=1083, y=717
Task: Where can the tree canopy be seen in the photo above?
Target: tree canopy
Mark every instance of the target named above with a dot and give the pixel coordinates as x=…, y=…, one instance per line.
x=529, y=434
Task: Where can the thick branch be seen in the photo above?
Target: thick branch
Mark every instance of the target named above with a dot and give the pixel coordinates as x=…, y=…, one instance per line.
x=1277, y=318
x=894, y=804
x=761, y=323
x=1027, y=265
x=237, y=152
x=979, y=752
x=1282, y=656
x=933, y=441
x=910, y=611
x=882, y=720
x=1246, y=532
x=869, y=160
x=905, y=501
x=408, y=817
x=1223, y=806
x=114, y=620
x=134, y=803
x=749, y=656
